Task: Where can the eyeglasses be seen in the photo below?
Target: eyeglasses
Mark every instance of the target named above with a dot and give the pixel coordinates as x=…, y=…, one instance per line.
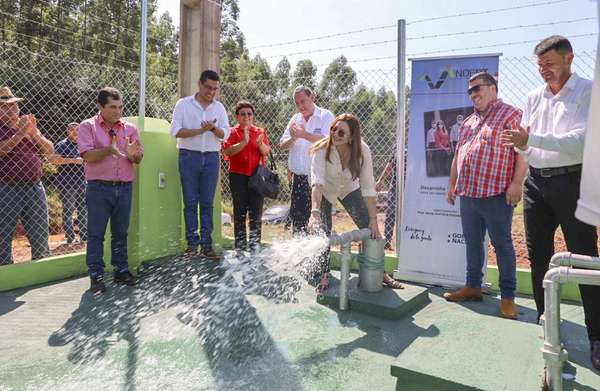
x=340, y=132
x=246, y=114
x=215, y=89
x=111, y=133
x=476, y=88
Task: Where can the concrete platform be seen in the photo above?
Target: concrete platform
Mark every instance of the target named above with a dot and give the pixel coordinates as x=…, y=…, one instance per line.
x=205, y=326
x=465, y=351
x=388, y=304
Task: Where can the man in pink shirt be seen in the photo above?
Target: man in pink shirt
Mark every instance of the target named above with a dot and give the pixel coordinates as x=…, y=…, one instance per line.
x=110, y=148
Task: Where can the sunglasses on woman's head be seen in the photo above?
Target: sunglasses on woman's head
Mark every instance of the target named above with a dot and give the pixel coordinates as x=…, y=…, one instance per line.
x=246, y=114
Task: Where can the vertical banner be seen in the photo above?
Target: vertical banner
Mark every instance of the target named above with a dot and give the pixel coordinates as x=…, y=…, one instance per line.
x=432, y=248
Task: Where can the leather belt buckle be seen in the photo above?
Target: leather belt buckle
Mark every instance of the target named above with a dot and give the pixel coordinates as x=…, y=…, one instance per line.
x=546, y=172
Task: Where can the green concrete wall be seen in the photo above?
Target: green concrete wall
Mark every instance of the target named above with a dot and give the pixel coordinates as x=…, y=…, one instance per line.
x=570, y=291
x=156, y=228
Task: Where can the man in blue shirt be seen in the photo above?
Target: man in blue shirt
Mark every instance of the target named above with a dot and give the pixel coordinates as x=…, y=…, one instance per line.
x=70, y=182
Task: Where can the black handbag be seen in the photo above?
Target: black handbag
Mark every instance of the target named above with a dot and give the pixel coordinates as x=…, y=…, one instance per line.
x=265, y=181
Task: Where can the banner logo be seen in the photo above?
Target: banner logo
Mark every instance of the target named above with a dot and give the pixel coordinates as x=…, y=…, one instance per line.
x=441, y=79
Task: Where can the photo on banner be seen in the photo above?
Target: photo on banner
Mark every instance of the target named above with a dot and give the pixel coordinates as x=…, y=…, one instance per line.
x=432, y=247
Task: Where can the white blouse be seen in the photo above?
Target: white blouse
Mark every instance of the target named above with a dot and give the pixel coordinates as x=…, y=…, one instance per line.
x=338, y=183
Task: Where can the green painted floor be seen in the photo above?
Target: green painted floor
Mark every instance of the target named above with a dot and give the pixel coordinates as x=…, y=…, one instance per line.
x=197, y=326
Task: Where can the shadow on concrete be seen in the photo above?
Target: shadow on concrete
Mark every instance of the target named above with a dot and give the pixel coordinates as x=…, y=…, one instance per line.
x=9, y=303
x=381, y=336
x=490, y=305
x=239, y=350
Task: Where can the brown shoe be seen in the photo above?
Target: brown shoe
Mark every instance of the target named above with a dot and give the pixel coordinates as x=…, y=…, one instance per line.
x=208, y=252
x=509, y=309
x=464, y=293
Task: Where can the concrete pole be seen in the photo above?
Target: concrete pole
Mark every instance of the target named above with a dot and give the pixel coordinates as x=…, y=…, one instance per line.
x=199, y=41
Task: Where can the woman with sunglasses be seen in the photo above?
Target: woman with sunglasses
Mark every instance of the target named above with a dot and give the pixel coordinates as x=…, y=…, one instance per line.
x=442, y=142
x=245, y=149
x=342, y=169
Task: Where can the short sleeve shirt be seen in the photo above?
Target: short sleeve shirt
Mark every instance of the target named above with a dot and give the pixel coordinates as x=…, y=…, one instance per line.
x=111, y=168
x=22, y=163
x=246, y=160
x=69, y=175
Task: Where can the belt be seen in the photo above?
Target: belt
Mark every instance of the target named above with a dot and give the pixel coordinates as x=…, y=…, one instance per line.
x=553, y=171
x=202, y=152
x=22, y=184
x=111, y=183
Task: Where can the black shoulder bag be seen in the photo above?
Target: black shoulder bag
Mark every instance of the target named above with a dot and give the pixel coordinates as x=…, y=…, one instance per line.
x=265, y=181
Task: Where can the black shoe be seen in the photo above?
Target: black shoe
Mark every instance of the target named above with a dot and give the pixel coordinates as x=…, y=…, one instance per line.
x=124, y=278
x=70, y=240
x=97, y=284
x=595, y=354
x=189, y=254
x=208, y=252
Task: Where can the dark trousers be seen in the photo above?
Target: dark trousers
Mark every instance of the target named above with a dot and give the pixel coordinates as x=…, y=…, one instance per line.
x=73, y=200
x=548, y=203
x=390, y=216
x=301, y=203
x=106, y=202
x=357, y=208
x=199, y=174
x=246, y=202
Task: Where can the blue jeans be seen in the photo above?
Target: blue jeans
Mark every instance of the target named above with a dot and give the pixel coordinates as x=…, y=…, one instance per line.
x=199, y=173
x=493, y=214
x=29, y=204
x=73, y=199
x=105, y=202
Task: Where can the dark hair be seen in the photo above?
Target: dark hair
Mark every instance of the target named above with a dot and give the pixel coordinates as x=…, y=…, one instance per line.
x=208, y=74
x=300, y=89
x=486, y=77
x=243, y=104
x=356, y=158
x=555, y=42
x=108, y=92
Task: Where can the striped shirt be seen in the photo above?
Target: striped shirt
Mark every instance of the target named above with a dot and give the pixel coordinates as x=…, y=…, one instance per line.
x=485, y=166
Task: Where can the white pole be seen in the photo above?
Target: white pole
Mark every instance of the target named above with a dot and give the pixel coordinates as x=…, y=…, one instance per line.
x=400, y=133
x=142, y=109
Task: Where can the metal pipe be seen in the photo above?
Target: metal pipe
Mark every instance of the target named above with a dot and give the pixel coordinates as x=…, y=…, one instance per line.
x=142, y=108
x=345, y=240
x=345, y=277
x=352, y=236
x=575, y=260
x=401, y=114
x=554, y=353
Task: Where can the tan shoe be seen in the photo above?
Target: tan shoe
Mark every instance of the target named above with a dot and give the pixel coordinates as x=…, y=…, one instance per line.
x=464, y=293
x=509, y=309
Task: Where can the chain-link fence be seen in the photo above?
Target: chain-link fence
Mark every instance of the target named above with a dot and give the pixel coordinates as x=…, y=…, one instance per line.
x=371, y=96
x=59, y=91
x=50, y=219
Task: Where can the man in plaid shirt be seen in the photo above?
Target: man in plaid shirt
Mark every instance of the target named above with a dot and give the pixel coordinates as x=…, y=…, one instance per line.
x=489, y=178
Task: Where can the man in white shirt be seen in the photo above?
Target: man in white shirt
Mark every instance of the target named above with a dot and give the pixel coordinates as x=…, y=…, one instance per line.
x=454, y=131
x=310, y=124
x=200, y=124
x=431, y=136
x=556, y=116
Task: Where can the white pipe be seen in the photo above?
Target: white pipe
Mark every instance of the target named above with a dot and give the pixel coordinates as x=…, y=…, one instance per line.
x=345, y=275
x=554, y=353
x=346, y=254
x=352, y=236
x=575, y=260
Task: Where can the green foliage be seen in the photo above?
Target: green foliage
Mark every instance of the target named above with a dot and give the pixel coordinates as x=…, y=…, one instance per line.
x=101, y=31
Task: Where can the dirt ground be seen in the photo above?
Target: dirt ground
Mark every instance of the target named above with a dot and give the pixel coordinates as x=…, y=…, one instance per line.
x=341, y=223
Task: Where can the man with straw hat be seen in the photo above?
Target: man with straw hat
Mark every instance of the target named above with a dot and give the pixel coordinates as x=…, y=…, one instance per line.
x=22, y=194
